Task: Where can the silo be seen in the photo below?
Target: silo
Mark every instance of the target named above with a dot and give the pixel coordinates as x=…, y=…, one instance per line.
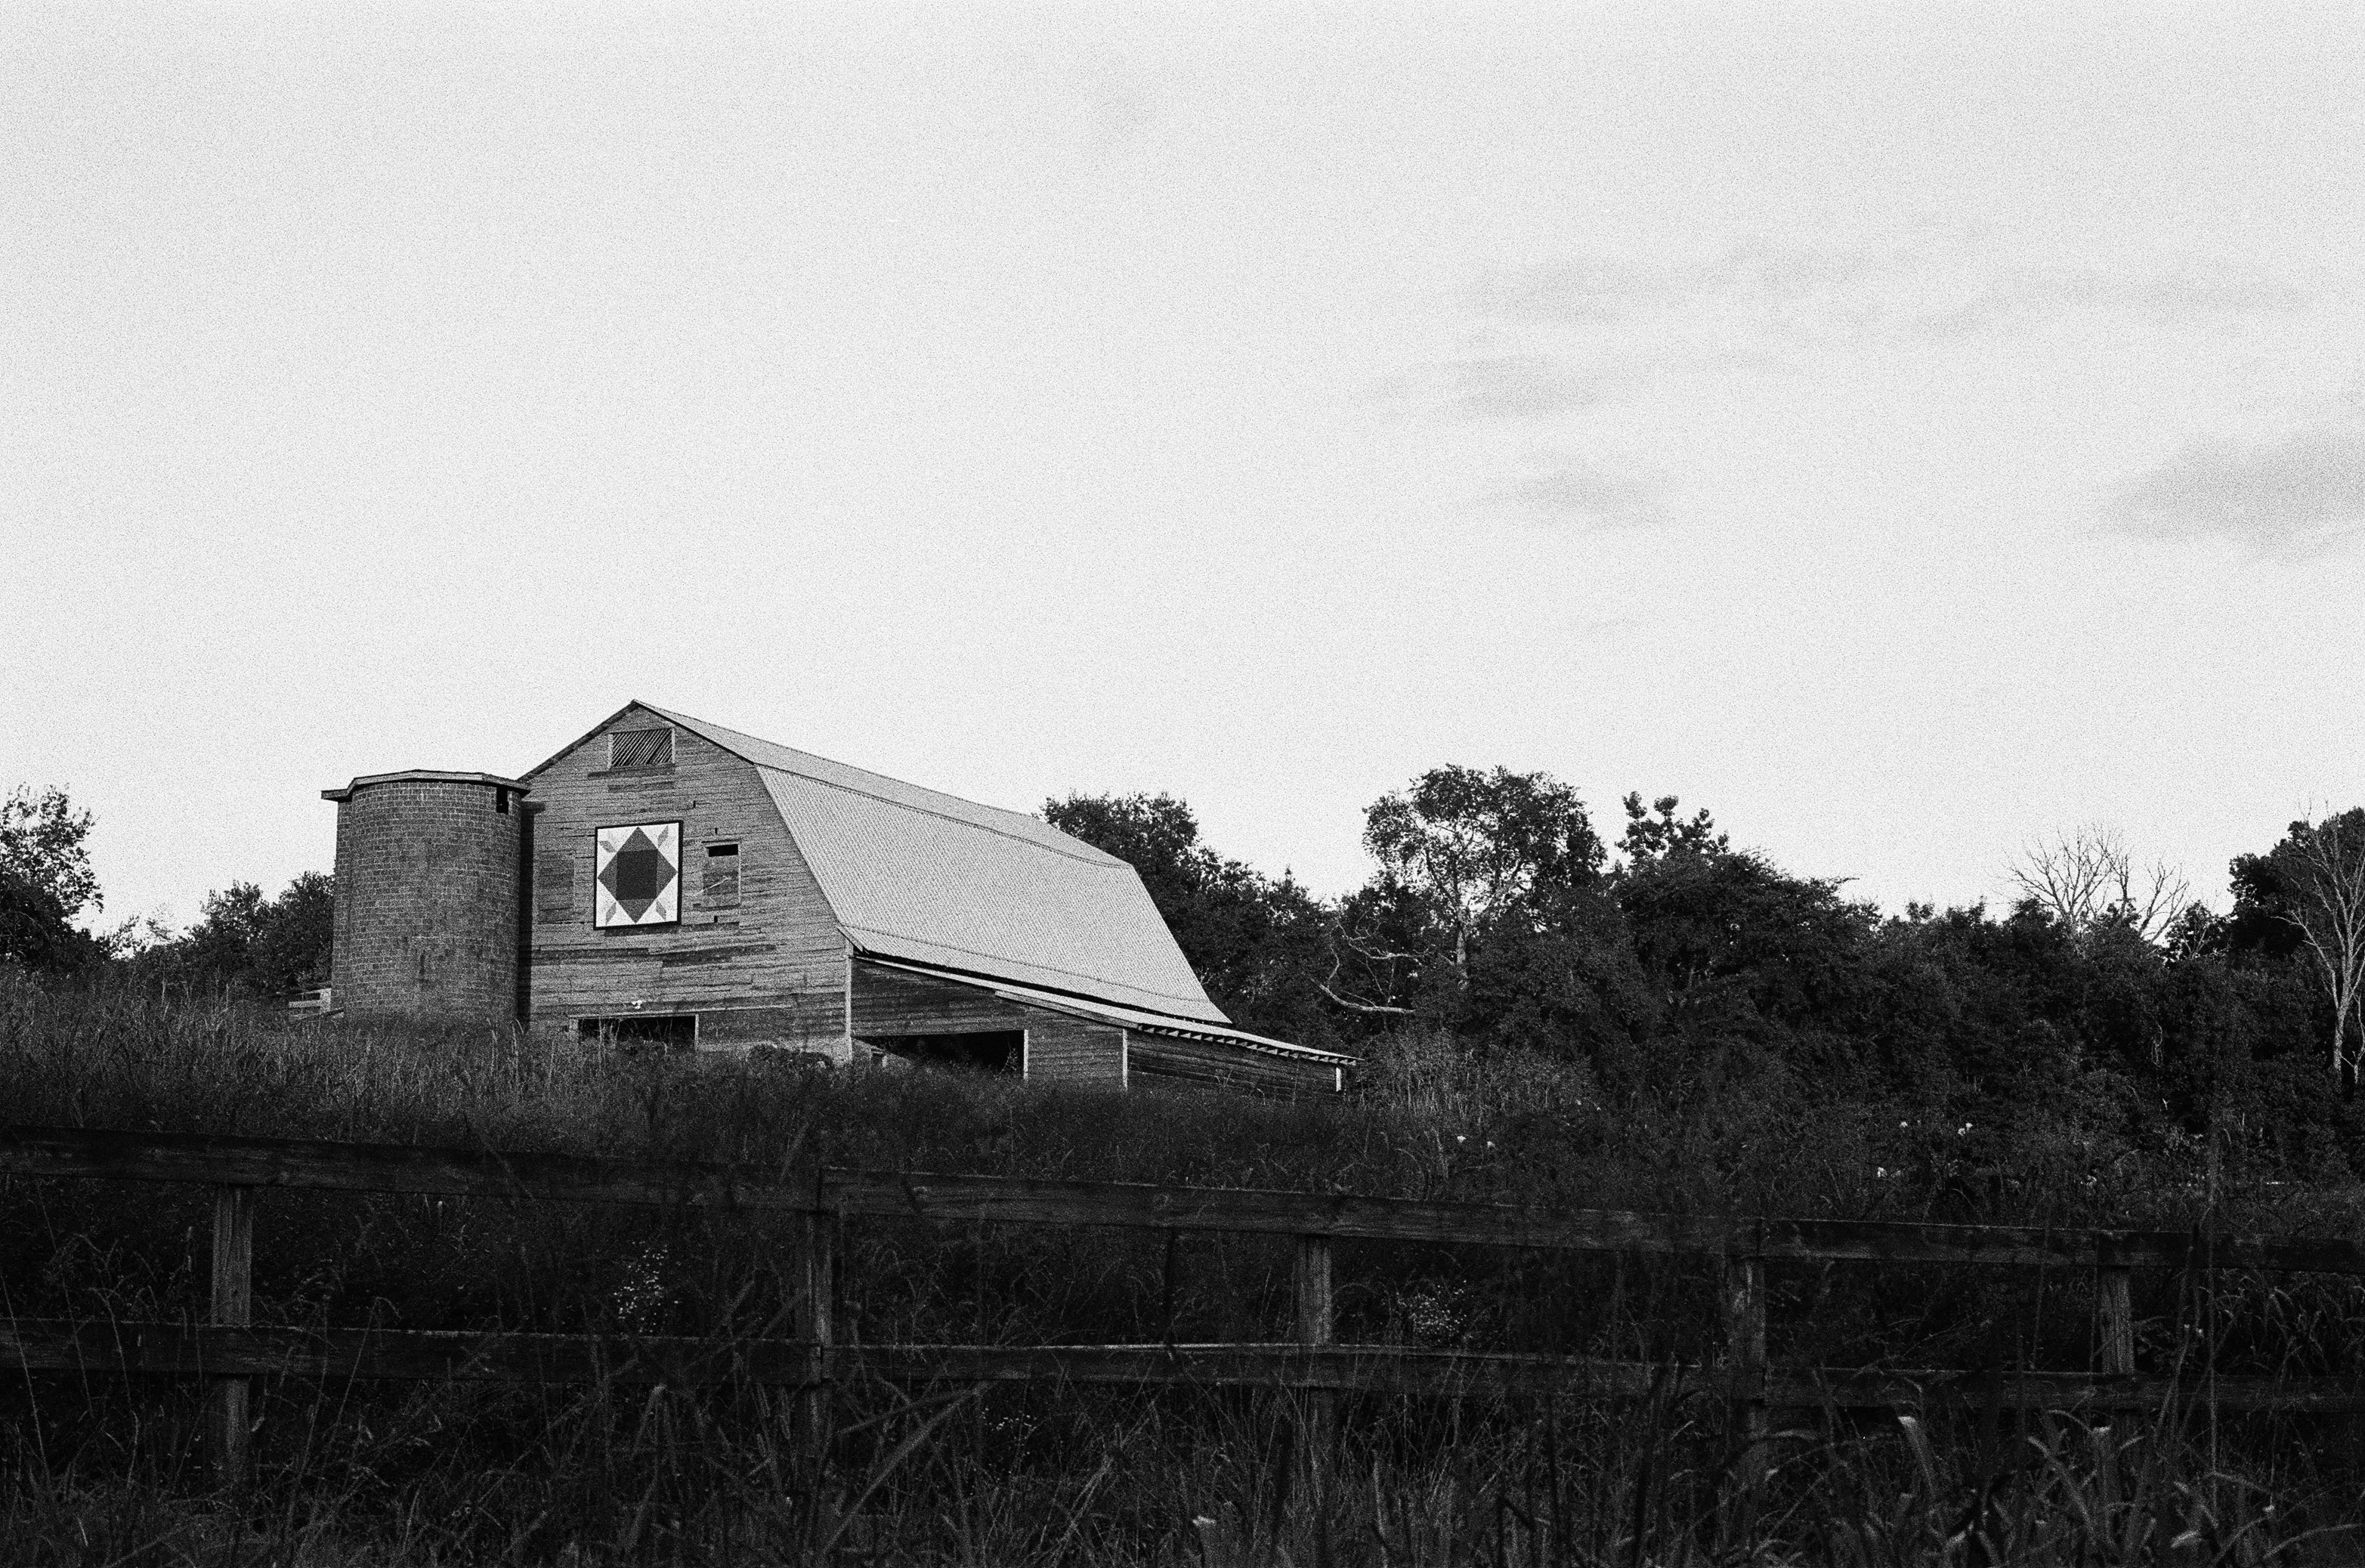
x=428, y=889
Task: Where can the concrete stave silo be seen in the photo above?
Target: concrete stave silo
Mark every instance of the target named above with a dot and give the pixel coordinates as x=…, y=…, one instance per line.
x=430, y=881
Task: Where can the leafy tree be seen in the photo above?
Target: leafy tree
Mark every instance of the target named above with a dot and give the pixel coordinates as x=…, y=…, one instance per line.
x=2320, y=869
x=1477, y=848
x=1383, y=959
x=1254, y=942
x=1726, y=937
x=1567, y=981
x=1698, y=981
x=2195, y=934
x=290, y=946
x=41, y=844
x=1654, y=838
x=2260, y=928
x=45, y=881
x=246, y=945
x=34, y=929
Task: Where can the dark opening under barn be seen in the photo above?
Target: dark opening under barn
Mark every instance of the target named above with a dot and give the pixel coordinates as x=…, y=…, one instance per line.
x=997, y=1051
x=672, y=1031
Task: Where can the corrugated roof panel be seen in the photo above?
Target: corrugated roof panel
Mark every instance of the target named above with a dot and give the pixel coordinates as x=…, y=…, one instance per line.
x=892, y=791
x=910, y=875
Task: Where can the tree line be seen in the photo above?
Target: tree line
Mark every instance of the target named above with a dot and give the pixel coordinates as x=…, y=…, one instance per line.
x=242, y=944
x=2102, y=1016
x=2102, y=1013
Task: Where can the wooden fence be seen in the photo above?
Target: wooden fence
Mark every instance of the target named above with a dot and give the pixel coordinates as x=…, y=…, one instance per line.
x=230, y=1350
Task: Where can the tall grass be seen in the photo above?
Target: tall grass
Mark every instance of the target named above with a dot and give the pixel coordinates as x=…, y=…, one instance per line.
x=454, y=1474
x=115, y=1471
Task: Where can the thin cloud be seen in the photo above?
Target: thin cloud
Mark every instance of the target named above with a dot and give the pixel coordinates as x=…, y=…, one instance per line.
x=2180, y=298
x=1586, y=289
x=1579, y=495
x=1580, y=290
x=1519, y=386
x=1822, y=294
x=1495, y=387
x=2293, y=496
x=1118, y=117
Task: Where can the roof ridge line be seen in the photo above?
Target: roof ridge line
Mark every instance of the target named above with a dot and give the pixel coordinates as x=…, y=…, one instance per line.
x=1094, y=856
x=1110, y=863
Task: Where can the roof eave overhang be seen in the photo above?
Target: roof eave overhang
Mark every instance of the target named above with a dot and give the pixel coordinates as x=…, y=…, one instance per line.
x=426, y=775
x=1110, y=1013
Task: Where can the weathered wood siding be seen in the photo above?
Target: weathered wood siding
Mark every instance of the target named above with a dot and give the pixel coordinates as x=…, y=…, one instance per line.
x=1060, y=1050
x=890, y=1003
x=1159, y=1057
x=769, y=967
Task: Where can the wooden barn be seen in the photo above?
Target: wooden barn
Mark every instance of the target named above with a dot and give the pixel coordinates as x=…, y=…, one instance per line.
x=666, y=880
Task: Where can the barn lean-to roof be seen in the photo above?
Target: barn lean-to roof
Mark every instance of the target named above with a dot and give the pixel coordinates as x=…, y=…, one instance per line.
x=978, y=895
x=1132, y=1017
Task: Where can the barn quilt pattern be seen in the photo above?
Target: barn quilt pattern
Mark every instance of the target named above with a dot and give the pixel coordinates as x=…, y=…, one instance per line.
x=639, y=877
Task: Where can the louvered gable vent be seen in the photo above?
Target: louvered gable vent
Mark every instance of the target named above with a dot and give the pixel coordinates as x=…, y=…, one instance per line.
x=640, y=748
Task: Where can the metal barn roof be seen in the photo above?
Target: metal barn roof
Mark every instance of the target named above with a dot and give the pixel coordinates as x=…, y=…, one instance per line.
x=935, y=880
x=1126, y=1018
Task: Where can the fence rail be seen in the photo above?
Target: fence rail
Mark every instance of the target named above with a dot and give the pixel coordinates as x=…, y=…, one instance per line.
x=363, y=1355
x=232, y=1351
x=395, y=1168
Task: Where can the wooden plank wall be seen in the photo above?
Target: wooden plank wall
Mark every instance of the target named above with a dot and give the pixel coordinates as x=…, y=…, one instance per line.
x=889, y=1003
x=1060, y=1050
x=1160, y=1058
x=770, y=968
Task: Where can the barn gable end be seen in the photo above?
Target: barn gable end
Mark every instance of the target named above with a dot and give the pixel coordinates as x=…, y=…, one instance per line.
x=765, y=964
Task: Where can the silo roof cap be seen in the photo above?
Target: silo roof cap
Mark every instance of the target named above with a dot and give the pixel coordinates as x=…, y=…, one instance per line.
x=424, y=775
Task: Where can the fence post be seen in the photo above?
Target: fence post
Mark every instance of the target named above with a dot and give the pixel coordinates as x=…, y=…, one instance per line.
x=2114, y=1308
x=1316, y=1325
x=232, y=1308
x=1744, y=1342
x=815, y=1285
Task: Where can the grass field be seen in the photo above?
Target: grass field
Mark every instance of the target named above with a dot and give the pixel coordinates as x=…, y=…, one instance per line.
x=117, y=1473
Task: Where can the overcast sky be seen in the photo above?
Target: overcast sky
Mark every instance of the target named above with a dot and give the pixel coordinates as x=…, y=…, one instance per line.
x=1904, y=431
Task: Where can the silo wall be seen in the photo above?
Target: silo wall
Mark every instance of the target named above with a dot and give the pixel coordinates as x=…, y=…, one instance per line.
x=428, y=894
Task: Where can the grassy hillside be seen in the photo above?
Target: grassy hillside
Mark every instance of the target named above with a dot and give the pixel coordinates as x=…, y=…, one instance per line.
x=463, y=1474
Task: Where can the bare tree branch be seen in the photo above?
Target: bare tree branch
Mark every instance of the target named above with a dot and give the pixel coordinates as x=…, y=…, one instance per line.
x=2087, y=879
x=1360, y=1006
x=1371, y=952
x=2325, y=864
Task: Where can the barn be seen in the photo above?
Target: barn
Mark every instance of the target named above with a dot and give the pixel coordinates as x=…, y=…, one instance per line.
x=666, y=882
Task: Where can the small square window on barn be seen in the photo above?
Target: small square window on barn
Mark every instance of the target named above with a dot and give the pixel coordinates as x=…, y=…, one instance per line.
x=720, y=888
x=640, y=748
